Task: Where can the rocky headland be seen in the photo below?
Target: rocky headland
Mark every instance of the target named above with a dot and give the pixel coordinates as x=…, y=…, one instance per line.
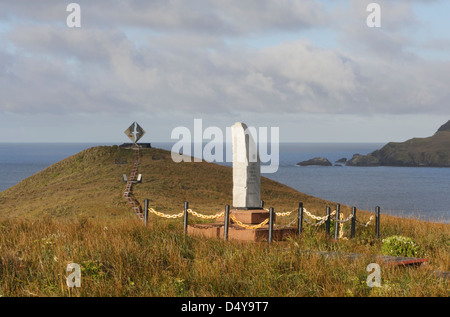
x=433, y=151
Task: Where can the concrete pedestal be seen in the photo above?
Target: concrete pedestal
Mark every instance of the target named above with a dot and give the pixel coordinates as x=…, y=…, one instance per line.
x=236, y=232
x=248, y=217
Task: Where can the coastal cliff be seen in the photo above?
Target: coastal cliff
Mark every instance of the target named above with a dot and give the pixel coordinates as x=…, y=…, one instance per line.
x=433, y=151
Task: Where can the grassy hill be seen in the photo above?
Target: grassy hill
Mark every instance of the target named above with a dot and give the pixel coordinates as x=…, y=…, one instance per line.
x=74, y=212
x=90, y=183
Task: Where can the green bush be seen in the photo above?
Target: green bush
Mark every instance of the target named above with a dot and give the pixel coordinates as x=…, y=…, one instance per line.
x=400, y=246
x=93, y=269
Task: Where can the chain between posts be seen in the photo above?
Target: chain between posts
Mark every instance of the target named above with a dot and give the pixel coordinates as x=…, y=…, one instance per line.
x=179, y=215
x=321, y=219
x=317, y=223
x=279, y=214
x=367, y=223
x=324, y=218
x=342, y=220
x=341, y=225
x=286, y=226
x=196, y=214
x=163, y=215
x=251, y=227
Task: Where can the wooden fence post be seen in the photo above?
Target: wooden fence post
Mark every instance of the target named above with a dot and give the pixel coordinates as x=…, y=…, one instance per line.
x=377, y=221
x=352, y=230
x=328, y=222
x=270, y=238
x=300, y=219
x=145, y=212
x=226, y=222
x=185, y=218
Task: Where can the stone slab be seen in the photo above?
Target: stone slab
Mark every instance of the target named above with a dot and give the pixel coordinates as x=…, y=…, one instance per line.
x=216, y=230
x=249, y=217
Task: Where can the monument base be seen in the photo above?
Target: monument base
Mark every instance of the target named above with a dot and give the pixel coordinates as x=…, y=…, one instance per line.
x=132, y=146
x=236, y=232
x=249, y=216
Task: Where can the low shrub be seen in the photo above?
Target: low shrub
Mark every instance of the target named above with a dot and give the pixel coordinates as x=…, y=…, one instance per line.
x=400, y=246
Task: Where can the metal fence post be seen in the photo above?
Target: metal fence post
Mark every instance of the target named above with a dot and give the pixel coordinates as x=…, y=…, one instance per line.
x=352, y=230
x=226, y=222
x=185, y=218
x=270, y=238
x=336, y=225
x=300, y=219
x=377, y=221
x=262, y=204
x=328, y=222
x=146, y=211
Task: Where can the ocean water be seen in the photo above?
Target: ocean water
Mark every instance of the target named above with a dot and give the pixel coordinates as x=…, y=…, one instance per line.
x=403, y=191
x=21, y=160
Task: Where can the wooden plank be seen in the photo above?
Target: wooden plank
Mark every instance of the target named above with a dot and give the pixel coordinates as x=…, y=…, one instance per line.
x=384, y=259
x=399, y=260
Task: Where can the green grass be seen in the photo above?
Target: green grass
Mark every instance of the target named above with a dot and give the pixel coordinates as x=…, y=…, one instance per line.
x=74, y=212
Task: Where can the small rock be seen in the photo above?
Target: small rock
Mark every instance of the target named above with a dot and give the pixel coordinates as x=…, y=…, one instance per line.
x=320, y=161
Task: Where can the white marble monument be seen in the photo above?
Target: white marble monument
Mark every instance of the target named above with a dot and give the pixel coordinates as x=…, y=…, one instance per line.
x=246, y=169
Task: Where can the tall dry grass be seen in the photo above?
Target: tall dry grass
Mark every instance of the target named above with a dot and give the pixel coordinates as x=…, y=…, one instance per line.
x=125, y=258
x=74, y=212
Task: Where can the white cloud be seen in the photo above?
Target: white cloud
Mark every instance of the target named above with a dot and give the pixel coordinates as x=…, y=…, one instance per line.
x=182, y=61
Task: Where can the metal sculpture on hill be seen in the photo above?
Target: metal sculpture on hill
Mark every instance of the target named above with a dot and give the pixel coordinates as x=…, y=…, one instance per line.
x=134, y=132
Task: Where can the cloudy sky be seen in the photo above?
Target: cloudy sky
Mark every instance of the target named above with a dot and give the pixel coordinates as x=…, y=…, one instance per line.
x=312, y=68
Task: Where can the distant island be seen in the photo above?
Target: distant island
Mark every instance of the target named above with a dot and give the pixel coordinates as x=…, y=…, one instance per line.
x=318, y=161
x=433, y=151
